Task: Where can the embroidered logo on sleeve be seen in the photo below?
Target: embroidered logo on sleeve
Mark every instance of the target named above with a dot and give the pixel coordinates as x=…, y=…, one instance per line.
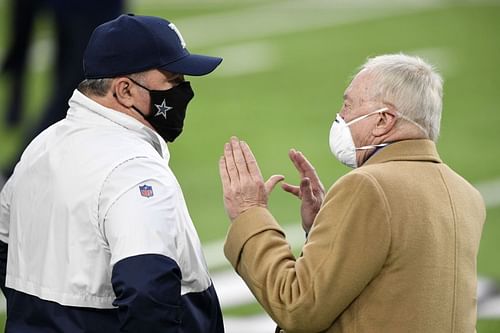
x=146, y=190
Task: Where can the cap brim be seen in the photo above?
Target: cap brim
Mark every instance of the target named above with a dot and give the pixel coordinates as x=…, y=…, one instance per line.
x=193, y=64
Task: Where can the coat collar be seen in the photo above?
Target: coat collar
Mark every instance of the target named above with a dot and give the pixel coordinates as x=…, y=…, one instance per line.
x=408, y=150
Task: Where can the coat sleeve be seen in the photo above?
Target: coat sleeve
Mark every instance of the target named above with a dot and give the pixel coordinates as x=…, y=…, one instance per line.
x=345, y=250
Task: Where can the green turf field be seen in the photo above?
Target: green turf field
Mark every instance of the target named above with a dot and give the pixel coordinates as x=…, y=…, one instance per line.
x=286, y=66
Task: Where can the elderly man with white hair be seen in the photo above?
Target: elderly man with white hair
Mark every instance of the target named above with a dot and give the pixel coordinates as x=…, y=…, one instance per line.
x=392, y=246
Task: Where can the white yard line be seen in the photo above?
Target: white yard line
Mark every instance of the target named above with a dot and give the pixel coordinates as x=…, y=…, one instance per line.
x=274, y=19
x=489, y=309
x=245, y=58
x=490, y=191
x=250, y=324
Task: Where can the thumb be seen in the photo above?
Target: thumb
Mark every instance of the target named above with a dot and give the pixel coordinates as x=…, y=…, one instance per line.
x=272, y=181
x=306, y=189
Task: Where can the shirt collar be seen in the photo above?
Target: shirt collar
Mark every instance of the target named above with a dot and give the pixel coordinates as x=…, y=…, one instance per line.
x=79, y=103
x=407, y=150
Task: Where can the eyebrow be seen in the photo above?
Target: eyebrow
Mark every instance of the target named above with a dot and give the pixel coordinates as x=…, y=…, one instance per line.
x=346, y=97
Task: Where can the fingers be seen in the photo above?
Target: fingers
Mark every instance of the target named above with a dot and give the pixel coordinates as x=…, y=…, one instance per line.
x=295, y=190
x=232, y=171
x=272, y=181
x=301, y=163
x=305, y=169
x=239, y=158
x=252, y=165
x=293, y=155
x=306, y=190
x=224, y=175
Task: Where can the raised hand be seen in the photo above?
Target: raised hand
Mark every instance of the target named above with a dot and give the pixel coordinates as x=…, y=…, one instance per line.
x=310, y=190
x=242, y=183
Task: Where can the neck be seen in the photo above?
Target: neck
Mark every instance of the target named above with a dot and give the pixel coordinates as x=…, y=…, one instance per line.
x=111, y=103
x=400, y=133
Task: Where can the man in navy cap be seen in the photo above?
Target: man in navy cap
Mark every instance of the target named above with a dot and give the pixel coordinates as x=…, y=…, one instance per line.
x=99, y=237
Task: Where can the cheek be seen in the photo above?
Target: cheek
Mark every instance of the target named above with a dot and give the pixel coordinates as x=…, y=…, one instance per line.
x=144, y=101
x=355, y=136
x=360, y=134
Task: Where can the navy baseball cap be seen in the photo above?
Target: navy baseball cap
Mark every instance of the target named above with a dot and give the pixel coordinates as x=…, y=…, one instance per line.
x=132, y=43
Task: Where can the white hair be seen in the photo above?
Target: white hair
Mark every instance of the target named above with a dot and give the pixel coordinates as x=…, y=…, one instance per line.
x=412, y=85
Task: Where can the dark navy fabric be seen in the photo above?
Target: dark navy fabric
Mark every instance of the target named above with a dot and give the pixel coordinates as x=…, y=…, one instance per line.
x=152, y=304
x=155, y=305
x=202, y=312
x=3, y=264
x=148, y=300
x=30, y=314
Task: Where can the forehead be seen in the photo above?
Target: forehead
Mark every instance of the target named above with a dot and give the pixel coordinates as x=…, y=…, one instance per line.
x=359, y=86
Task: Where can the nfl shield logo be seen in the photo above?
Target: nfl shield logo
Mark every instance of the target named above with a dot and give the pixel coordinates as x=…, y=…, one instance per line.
x=146, y=191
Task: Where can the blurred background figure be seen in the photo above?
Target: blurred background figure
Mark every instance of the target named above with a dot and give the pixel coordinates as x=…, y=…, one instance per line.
x=73, y=23
x=22, y=14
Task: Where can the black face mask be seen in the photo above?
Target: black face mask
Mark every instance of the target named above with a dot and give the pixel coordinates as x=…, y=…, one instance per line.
x=168, y=109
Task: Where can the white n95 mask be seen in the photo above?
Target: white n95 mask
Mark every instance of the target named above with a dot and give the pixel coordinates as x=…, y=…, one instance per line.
x=341, y=143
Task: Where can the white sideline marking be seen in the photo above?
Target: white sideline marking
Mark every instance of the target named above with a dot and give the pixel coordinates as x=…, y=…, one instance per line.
x=246, y=58
x=490, y=191
x=275, y=19
x=231, y=289
x=489, y=309
x=250, y=324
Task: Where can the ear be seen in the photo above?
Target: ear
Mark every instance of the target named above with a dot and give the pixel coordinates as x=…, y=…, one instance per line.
x=386, y=123
x=121, y=89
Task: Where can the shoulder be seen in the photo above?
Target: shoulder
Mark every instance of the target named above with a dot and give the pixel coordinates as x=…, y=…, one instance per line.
x=359, y=190
x=359, y=180
x=136, y=169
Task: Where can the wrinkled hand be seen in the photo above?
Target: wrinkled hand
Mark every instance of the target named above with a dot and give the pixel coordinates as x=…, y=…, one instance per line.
x=242, y=183
x=310, y=190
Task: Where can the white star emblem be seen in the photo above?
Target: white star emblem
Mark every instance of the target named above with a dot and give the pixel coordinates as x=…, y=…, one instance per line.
x=163, y=108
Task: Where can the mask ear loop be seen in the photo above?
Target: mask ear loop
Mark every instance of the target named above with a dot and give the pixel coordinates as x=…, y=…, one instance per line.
x=414, y=123
x=133, y=106
x=369, y=147
x=137, y=83
x=366, y=116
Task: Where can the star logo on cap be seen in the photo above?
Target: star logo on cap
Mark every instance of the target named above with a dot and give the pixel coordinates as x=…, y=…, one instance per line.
x=163, y=108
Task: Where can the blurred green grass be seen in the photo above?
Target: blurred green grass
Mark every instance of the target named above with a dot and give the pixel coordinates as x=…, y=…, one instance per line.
x=292, y=104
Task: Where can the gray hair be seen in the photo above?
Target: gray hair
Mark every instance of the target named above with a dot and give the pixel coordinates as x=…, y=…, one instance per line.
x=412, y=85
x=100, y=87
